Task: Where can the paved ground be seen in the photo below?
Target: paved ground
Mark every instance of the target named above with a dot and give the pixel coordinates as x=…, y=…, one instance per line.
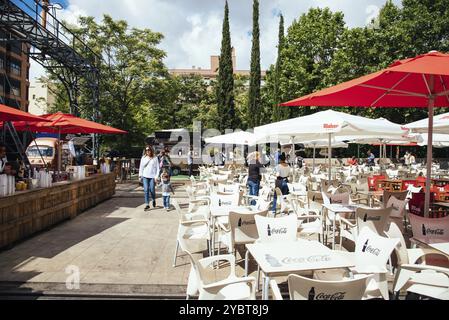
x=115, y=243
x=117, y=247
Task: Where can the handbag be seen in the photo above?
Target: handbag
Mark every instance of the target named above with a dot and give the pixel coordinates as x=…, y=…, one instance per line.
x=141, y=178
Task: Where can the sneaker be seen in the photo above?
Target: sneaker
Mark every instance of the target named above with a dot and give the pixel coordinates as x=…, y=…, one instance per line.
x=147, y=208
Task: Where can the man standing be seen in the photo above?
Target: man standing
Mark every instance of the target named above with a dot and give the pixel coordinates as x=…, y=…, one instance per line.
x=3, y=159
x=370, y=159
x=190, y=160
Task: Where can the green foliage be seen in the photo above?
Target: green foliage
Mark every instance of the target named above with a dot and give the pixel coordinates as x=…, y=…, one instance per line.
x=320, y=51
x=279, y=113
x=225, y=85
x=132, y=78
x=254, y=105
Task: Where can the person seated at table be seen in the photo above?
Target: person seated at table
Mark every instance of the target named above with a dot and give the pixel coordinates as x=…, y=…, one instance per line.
x=352, y=161
x=370, y=158
x=282, y=172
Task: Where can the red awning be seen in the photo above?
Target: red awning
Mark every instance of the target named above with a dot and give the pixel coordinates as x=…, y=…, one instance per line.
x=66, y=123
x=12, y=114
x=405, y=83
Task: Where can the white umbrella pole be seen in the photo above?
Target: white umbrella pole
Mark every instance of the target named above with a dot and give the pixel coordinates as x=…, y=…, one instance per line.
x=429, y=153
x=313, y=161
x=329, y=151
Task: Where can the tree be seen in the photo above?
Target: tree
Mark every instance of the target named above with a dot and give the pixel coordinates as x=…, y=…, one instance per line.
x=133, y=77
x=309, y=47
x=254, y=107
x=279, y=113
x=225, y=83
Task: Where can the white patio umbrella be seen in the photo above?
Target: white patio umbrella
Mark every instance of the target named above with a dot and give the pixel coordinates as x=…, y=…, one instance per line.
x=439, y=140
x=328, y=124
x=440, y=124
x=236, y=137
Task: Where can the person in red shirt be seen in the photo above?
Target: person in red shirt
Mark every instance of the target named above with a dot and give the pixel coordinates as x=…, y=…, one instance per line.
x=353, y=161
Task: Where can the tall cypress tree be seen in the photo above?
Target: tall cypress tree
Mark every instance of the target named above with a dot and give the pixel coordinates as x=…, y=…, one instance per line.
x=254, y=107
x=225, y=83
x=279, y=113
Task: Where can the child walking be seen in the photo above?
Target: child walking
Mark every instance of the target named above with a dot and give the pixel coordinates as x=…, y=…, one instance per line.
x=166, y=189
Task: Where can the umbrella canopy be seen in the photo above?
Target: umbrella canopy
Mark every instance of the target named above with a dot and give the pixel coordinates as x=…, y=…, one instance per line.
x=328, y=124
x=440, y=124
x=439, y=140
x=66, y=123
x=237, y=137
x=320, y=124
x=422, y=81
x=12, y=114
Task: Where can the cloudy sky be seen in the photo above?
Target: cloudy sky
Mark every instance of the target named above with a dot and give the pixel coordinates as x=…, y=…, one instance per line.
x=192, y=28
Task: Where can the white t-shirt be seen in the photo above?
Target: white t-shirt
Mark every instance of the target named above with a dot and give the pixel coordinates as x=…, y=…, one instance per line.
x=284, y=172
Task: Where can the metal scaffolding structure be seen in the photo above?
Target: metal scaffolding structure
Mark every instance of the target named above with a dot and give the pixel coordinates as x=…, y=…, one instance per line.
x=55, y=47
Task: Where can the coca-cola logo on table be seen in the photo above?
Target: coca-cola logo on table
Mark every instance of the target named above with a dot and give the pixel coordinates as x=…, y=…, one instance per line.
x=309, y=259
x=272, y=231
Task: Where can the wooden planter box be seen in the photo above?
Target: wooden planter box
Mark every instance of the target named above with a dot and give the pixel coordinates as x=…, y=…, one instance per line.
x=31, y=211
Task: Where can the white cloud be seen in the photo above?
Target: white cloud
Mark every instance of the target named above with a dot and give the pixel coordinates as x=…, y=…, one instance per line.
x=192, y=28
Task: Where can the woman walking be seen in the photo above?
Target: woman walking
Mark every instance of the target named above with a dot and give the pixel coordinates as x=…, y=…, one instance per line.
x=149, y=173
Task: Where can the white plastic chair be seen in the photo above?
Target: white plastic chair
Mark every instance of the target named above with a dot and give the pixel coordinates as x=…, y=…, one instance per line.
x=198, y=228
x=370, y=258
x=230, y=288
x=420, y=278
x=242, y=229
x=429, y=230
x=375, y=219
x=302, y=288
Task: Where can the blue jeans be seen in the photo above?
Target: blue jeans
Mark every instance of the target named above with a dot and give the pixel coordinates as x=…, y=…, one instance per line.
x=253, y=189
x=166, y=201
x=284, y=190
x=149, y=189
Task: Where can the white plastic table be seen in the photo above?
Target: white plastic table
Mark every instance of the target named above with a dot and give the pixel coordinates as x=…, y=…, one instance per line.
x=337, y=209
x=286, y=257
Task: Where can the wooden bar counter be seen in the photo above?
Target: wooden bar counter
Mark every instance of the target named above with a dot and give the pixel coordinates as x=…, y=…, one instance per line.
x=30, y=211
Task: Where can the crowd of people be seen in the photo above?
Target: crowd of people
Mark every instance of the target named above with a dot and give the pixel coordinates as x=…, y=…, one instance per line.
x=156, y=170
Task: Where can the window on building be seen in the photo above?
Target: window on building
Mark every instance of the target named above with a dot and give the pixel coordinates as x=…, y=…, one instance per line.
x=14, y=68
x=15, y=91
x=34, y=97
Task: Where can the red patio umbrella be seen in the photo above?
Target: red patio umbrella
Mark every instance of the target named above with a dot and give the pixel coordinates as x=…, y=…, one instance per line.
x=422, y=81
x=12, y=114
x=66, y=123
